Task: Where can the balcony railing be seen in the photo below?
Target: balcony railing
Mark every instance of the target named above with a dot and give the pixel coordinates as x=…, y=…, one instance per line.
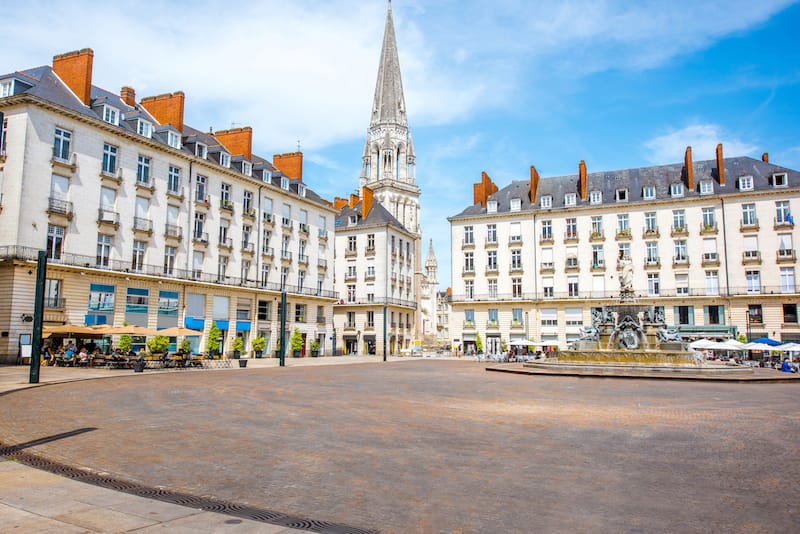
x=381, y=301
x=322, y=263
x=515, y=240
x=682, y=261
x=515, y=267
x=249, y=248
x=249, y=212
x=468, y=270
x=322, y=234
x=678, y=231
x=571, y=264
x=597, y=236
x=748, y=225
x=751, y=257
x=350, y=253
x=286, y=222
x=173, y=230
x=200, y=237
x=226, y=205
x=225, y=242
x=55, y=303
x=652, y=262
x=491, y=242
x=143, y=225
x=786, y=255
x=623, y=234
x=570, y=237
x=303, y=227
x=267, y=218
x=59, y=207
x=268, y=251
x=546, y=238
x=286, y=255
x=709, y=229
x=107, y=216
x=783, y=222
x=547, y=267
x=709, y=259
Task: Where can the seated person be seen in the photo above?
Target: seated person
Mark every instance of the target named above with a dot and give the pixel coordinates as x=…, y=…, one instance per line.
x=83, y=357
x=69, y=357
x=116, y=356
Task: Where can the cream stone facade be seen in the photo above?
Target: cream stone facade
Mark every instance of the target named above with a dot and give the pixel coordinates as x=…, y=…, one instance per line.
x=713, y=247
x=149, y=221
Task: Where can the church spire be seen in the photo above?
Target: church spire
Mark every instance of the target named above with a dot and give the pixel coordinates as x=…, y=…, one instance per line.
x=389, y=106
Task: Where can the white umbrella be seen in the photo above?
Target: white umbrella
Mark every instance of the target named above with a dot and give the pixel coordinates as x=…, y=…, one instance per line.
x=701, y=344
x=788, y=347
x=522, y=343
x=763, y=347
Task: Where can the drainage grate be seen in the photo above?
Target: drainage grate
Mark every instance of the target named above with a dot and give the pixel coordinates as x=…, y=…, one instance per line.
x=173, y=497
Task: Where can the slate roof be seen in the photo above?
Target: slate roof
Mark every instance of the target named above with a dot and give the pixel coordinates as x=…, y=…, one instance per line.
x=43, y=83
x=377, y=216
x=634, y=181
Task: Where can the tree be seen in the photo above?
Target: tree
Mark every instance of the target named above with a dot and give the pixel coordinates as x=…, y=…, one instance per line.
x=238, y=345
x=297, y=340
x=478, y=342
x=742, y=338
x=186, y=345
x=258, y=343
x=212, y=344
x=124, y=343
x=158, y=344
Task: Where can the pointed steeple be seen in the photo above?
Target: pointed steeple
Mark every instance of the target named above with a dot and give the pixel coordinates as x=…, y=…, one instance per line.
x=389, y=106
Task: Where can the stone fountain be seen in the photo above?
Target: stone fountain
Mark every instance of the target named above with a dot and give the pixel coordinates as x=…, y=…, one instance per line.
x=628, y=336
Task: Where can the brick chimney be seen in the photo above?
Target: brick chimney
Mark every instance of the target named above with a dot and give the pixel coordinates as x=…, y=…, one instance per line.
x=353, y=200
x=339, y=203
x=367, y=201
x=290, y=164
x=128, y=95
x=483, y=190
x=720, y=165
x=75, y=70
x=582, y=178
x=166, y=108
x=534, y=183
x=238, y=141
x=689, y=166
x=765, y=157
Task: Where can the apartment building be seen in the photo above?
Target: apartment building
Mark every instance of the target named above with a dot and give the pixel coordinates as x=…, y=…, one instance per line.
x=711, y=243
x=150, y=221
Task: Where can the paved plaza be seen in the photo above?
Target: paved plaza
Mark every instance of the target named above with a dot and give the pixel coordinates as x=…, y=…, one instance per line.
x=436, y=446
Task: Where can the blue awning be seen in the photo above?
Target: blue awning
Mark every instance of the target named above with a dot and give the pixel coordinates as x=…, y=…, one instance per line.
x=222, y=325
x=194, y=324
x=243, y=326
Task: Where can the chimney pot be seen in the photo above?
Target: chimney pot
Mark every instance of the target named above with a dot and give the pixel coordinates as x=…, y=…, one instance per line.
x=582, y=177
x=765, y=157
x=128, y=95
x=720, y=165
x=291, y=164
x=689, y=165
x=75, y=70
x=166, y=108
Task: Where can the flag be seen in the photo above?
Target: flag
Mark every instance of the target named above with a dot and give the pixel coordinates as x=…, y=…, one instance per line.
x=790, y=219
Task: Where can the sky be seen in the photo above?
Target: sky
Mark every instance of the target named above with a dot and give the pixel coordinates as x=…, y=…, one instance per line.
x=490, y=86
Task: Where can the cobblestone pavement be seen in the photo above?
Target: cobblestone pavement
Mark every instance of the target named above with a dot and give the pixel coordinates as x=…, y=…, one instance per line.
x=438, y=446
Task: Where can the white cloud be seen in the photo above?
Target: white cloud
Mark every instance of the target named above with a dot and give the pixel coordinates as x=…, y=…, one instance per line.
x=703, y=138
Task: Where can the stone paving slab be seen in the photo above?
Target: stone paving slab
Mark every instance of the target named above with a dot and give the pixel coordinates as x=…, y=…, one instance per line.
x=438, y=446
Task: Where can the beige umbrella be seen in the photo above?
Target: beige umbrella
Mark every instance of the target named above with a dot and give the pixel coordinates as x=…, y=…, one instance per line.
x=179, y=331
x=131, y=330
x=70, y=330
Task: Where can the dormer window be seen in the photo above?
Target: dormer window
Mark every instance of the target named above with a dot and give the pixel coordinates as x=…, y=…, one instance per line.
x=649, y=192
x=201, y=150
x=516, y=204
x=546, y=202
x=6, y=88
x=491, y=206
x=247, y=168
x=745, y=183
x=622, y=195
x=570, y=199
x=596, y=197
x=676, y=190
x=301, y=190
x=111, y=115
x=284, y=183
x=779, y=180
x=144, y=128
x=173, y=139
x=225, y=159
x=266, y=176
x=352, y=220
x=706, y=187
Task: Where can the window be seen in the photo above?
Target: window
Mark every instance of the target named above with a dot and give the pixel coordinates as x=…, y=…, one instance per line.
x=247, y=202
x=52, y=293
x=712, y=283
x=222, y=268
x=706, y=187
x=790, y=313
x=55, y=242
x=110, y=115
x=286, y=215
x=623, y=224
x=624, y=249
x=173, y=179
x=173, y=139
x=546, y=202
x=782, y=213
x=247, y=168
x=144, y=128
x=109, y=159
x=651, y=252
x=684, y=315
x=547, y=229
x=745, y=183
x=6, y=88
x=137, y=300
x=570, y=199
x=682, y=284
x=469, y=266
x=516, y=316
x=649, y=192
x=547, y=288
x=492, y=285
x=265, y=270
x=200, y=188
x=598, y=258
x=104, y=243
x=653, y=284
x=650, y=224
x=491, y=263
x=753, y=279
x=284, y=183
x=492, y=312
x=201, y=150
x=491, y=206
x=709, y=219
x=170, y=253
x=225, y=159
x=300, y=313
x=516, y=260
x=351, y=243
x=301, y=190
x=597, y=225
x=596, y=197
x=680, y=251
x=143, y=170
x=516, y=288
x=622, y=195
x=516, y=204
x=61, y=144
x=714, y=314
x=749, y=215
x=572, y=228
x=787, y=280
x=676, y=190
x=199, y=226
x=224, y=224
x=679, y=220
x=225, y=194
x=491, y=233
x=197, y=264
x=469, y=289
x=469, y=237
x=247, y=231
x=755, y=313
x=139, y=247
x=779, y=180
x=572, y=286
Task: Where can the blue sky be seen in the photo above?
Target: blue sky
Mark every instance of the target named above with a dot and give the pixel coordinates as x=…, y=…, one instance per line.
x=495, y=86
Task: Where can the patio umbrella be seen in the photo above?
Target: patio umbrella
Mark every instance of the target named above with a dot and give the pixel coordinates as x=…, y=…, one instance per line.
x=767, y=341
x=179, y=331
x=522, y=343
x=763, y=347
x=701, y=344
x=131, y=330
x=789, y=347
x=70, y=330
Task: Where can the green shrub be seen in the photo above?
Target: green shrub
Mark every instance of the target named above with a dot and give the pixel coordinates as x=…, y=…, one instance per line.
x=297, y=340
x=212, y=344
x=158, y=344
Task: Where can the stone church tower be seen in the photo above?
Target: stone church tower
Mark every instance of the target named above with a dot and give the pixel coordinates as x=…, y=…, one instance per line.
x=388, y=166
x=427, y=298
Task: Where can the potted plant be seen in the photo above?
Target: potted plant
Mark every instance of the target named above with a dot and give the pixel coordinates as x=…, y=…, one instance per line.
x=238, y=347
x=296, y=342
x=186, y=346
x=258, y=344
x=478, y=343
x=212, y=343
x=314, y=348
x=124, y=343
x=158, y=344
